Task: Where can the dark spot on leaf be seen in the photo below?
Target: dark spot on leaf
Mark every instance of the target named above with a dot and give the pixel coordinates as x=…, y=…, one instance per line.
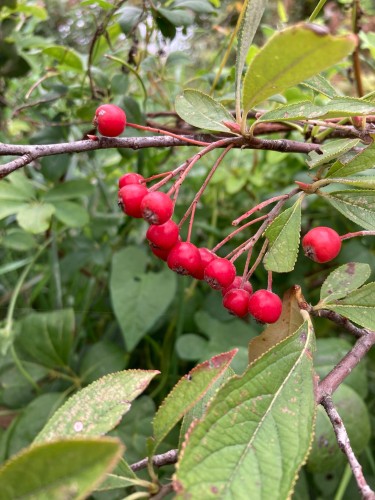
x=214, y=490
x=189, y=377
x=329, y=477
x=137, y=278
x=351, y=268
x=329, y=291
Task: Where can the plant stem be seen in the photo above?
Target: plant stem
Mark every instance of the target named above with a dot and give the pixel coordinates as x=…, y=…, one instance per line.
x=258, y=207
x=347, y=236
x=316, y=11
x=236, y=231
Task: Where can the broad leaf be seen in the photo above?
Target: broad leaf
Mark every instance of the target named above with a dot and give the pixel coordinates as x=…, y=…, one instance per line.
x=343, y=280
x=360, y=181
x=289, y=321
x=202, y=111
x=357, y=205
x=68, y=190
x=331, y=150
x=113, y=482
x=188, y=391
x=70, y=213
x=11, y=207
x=358, y=306
x=257, y=423
x=198, y=6
x=66, y=57
x=306, y=110
x=284, y=235
x=289, y=57
x=9, y=192
x=139, y=299
x=361, y=162
x=97, y=408
x=64, y=469
x=35, y=217
x=319, y=84
x=177, y=17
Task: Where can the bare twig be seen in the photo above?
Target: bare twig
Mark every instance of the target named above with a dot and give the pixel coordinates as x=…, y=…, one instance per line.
x=344, y=444
x=170, y=457
x=338, y=319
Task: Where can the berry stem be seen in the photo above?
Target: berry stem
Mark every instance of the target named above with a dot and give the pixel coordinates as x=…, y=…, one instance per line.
x=258, y=260
x=260, y=206
x=205, y=183
x=191, y=222
x=269, y=281
x=347, y=236
x=157, y=176
x=236, y=231
x=246, y=268
x=164, y=132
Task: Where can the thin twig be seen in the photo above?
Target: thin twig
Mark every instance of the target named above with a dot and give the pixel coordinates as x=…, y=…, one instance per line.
x=339, y=320
x=170, y=457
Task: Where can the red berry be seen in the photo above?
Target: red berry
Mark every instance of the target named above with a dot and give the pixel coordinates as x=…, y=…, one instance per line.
x=163, y=236
x=162, y=253
x=132, y=178
x=110, y=120
x=265, y=306
x=237, y=283
x=184, y=259
x=206, y=257
x=220, y=273
x=237, y=301
x=321, y=244
x=157, y=208
x=130, y=198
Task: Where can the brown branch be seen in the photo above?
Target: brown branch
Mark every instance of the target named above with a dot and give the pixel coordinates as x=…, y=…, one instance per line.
x=339, y=320
x=168, y=458
x=345, y=446
x=165, y=489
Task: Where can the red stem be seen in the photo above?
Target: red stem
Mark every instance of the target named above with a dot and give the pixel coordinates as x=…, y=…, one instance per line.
x=191, y=222
x=259, y=207
x=269, y=281
x=347, y=236
x=259, y=260
x=236, y=231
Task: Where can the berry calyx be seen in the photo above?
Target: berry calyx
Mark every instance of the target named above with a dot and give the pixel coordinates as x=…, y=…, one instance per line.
x=321, y=244
x=237, y=283
x=184, y=258
x=161, y=253
x=237, y=302
x=265, y=306
x=110, y=120
x=157, y=207
x=220, y=273
x=206, y=257
x=130, y=198
x=131, y=178
x=164, y=235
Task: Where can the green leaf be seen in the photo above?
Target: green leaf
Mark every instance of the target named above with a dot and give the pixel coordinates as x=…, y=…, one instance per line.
x=198, y=6
x=64, y=469
x=284, y=235
x=202, y=111
x=250, y=17
x=306, y=110
x=357, y=205
x=71, y=214
x=360, y=181
x=177, y=17
x=113, y=482
x=9, y=192
x=97, y=408
x=343, y=280
x=187, y=392
x=321, y=85
x=100, y=359
x=69, y=189
x=11, y=207
x=66, y=57
x=257, y=423
x=325, y=455
x=289, y=57
x=330, y=150
x=358, y=306
x=130, y=16
x=139, y=299
x=35, y=217
x=361, y=162
x=19, y=240
x=48, y=337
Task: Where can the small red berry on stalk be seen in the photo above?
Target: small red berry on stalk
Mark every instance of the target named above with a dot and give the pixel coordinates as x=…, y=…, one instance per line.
x=110, y=120
x=184, y=259
x=321, y=244
x=220, y=273
x=162, y=253
x=265, y=306
x=157, y=207
x=206, y=257
x=163, y=236
x=130, y=198
x=237, y=283
x=237, y=302
x=131, y=178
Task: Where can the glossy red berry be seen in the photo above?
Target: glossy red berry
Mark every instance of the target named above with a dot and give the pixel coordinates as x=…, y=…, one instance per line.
x=321, y=244
x=110, y=120
x=163, y=236
x=132, y=178
x=157, y=207
x=206, y=257
x=237, y=283
x=220, y=273
x=237, y=302
x=161, y=253
x=130, y=198
x=265, y=306
x=184, y=259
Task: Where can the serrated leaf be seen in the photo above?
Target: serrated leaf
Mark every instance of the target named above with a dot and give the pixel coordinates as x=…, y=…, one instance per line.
x=257, y=431
x=361, y=181
x=330, y=150
x=187, y=392
x=343, y=280
x=250, y=17
x=289, y=57
x=284, y=235
x=357, y=205
x=64, y=469
x=306, y=110
x=97, y=408
x=361, y=162
x=36, y=217
x=320, y=84
x=289, y=321
x=202, y=111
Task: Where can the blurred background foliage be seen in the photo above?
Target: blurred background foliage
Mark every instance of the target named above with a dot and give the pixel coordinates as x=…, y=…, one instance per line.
x=81, y=295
